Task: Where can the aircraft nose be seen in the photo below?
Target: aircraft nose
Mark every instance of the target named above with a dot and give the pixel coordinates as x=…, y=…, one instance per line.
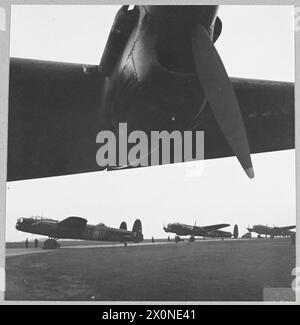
x=19, y=222
x=166, y=228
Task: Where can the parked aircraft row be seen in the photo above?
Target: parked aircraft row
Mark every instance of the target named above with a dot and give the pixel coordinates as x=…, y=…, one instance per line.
x=77, y=228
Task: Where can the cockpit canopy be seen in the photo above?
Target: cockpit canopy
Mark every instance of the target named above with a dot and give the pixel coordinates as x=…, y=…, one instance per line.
x=35, y=219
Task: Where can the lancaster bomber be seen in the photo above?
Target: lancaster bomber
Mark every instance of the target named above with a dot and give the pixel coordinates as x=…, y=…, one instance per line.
x=214, y=231
x=272, y=231
x=77, y=228
x=160, y=70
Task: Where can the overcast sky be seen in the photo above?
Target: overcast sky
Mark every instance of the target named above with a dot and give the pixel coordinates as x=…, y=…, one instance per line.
x=256, y=42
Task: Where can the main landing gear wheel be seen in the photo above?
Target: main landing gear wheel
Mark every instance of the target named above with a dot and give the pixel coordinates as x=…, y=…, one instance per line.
x=125, y=244
x=177, y=239
x=51, y=243
x=191, y=239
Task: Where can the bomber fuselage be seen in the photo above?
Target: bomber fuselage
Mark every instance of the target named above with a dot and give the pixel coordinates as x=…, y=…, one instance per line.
x=83, y=231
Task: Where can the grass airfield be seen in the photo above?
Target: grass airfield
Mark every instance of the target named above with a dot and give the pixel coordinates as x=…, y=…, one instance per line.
x=207, y=270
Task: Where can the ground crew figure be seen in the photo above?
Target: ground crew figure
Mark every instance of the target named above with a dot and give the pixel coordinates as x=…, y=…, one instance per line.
x=168, y=238
x=36, y=243
x=152, y=239
x=26, y=243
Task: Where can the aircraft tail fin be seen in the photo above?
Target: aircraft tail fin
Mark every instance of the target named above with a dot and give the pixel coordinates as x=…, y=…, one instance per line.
x=137, y=229
x=123, y=225
x=236, y=231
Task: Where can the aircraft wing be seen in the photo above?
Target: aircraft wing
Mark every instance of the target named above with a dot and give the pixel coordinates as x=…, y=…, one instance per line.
x=54, y=117
x=215, y=227
x=287, y=228
x=73, y=225
x=54, y=113
x=268, y=111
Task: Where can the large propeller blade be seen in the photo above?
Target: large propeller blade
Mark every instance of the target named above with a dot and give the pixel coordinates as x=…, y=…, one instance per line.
x=221, y=97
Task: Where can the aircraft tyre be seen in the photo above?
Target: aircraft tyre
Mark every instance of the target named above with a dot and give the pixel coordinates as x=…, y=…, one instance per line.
x=192, y=239
x=51, y=244
x=177, y=239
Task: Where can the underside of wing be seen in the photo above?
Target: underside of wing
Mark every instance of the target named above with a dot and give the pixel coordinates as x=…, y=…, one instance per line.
x=215, y=227
x=53, y=119
x=268, y=112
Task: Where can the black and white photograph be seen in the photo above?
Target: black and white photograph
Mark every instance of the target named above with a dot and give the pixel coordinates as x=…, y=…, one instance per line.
x=151, y=154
